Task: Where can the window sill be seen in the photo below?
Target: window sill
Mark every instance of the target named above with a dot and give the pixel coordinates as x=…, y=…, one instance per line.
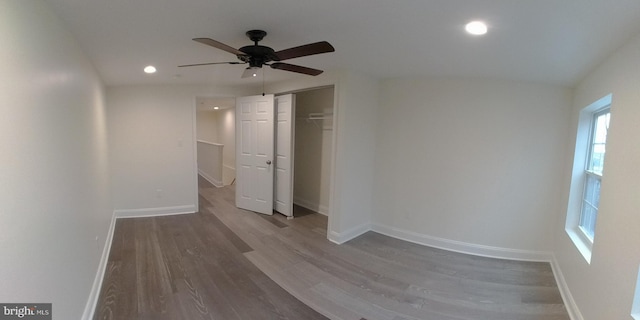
x=582, y=243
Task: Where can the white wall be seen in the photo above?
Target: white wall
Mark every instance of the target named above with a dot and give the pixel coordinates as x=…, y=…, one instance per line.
x=210, y=162
x=152, y=141
x=472, y=165
x=207, y=129
x=226, y=124
x=313, y=150
x=604, y=288
x=55, y=207
x=354, y=145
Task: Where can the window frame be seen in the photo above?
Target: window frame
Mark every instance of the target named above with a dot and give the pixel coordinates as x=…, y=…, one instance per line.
x=581, y=161
x=590, y=173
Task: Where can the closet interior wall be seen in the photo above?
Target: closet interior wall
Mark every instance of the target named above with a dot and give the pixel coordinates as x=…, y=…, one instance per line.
x=313, y=149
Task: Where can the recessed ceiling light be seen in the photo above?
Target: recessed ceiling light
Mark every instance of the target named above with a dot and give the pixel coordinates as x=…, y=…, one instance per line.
x=150, y=69
x=476, y=28
x=216, y=108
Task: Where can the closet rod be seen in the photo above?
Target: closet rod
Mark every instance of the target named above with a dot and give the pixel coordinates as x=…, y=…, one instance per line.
x=319, y=116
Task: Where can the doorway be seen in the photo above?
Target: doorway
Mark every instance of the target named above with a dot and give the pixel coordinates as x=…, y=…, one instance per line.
x=313, y=144
x=215, y=138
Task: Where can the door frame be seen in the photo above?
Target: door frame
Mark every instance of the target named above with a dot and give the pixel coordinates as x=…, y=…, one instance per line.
x=334, y=143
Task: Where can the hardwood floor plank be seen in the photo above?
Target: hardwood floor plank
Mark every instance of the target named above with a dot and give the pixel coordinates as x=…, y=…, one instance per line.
x=301, y=285
x=483, y=290
x=274, y=220
x=120, y=277
x=153, y=281
x=203, y=259
x=210, y=287
x=287, y=304
x=461, y=265
x=110, y=290
x=408, y=307
x=189, y=297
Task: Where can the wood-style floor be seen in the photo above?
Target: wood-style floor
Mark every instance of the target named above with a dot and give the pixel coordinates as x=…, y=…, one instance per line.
x=225, y=263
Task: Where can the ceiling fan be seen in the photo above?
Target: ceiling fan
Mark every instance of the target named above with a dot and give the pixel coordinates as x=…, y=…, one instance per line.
x=257, y=56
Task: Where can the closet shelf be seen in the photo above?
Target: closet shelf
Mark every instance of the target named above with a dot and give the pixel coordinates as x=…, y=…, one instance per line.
x=316, y=117
x=320, y=116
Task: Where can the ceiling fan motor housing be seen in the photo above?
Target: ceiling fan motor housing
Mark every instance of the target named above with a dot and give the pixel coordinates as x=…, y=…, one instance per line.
x=258, y=55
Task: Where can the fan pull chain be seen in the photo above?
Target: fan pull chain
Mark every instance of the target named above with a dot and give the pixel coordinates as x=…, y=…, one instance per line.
x=263, y=71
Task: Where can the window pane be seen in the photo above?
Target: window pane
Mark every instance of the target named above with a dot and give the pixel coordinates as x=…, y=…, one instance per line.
x=597, y=158
x=590, y=203
x=602, y=124
x=588, y=219
x=600, y=129
x=592, y=191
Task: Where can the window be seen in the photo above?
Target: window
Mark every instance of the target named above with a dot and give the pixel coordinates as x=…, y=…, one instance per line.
x=593, y=172
x=588, y=164
x=635, y=309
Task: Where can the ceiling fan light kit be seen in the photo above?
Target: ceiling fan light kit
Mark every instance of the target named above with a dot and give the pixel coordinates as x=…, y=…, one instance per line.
x=250, y=72
x=257, y=55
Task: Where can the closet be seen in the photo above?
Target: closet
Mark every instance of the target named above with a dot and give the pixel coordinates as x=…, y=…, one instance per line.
x=313, y=148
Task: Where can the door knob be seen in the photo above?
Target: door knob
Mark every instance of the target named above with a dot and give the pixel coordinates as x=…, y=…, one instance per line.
x=269, y=162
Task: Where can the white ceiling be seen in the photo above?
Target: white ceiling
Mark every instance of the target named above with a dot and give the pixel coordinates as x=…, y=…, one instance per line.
x=208, y=103
x=548, y=41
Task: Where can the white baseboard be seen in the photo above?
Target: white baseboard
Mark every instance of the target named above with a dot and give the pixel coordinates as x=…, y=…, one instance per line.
x=463, y=247
x=311, y=205
x=94, y=295
x=214, y=181
x=342, y=237
x=567, y=297
x=154, y=212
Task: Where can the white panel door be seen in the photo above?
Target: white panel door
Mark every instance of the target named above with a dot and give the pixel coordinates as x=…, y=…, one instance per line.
x=285, y=115
x=254, y=153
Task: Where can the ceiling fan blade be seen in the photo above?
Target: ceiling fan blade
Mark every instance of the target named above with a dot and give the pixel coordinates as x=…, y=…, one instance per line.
x=219, y=45
x=210, y=63
x=305, y=50
x=295, y=68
